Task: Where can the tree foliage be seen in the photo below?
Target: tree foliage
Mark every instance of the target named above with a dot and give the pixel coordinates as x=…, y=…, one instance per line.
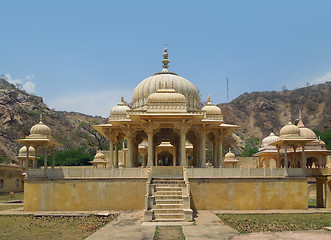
x=325, y=136
x=93, y=137
x=70, y=157
x=4, y=159
x=251, y=147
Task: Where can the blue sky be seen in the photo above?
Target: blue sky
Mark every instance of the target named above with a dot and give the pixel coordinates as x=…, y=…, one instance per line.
x=83, y=55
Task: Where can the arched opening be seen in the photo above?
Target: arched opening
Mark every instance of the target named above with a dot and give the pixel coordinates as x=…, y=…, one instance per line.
x=165, y=159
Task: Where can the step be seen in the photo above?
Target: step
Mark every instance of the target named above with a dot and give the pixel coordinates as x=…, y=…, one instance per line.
x=168, y=201
x=164, y=197
x=167, y=181
x=168, y=178
x=167, y=188
x=160, y=193
x=168, y=206
x=169, y=220
x=168, y=216
x=166, y=185
x=170, y=211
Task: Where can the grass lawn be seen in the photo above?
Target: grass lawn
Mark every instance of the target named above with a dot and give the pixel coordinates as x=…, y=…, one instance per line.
x=5, y=197
x=6, y=207
x=31, y=227
x=246, y=223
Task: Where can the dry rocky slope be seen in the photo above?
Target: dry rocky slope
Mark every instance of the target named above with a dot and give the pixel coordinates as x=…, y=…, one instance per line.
x=19, y=111
x=260, y=113
x=257, y=113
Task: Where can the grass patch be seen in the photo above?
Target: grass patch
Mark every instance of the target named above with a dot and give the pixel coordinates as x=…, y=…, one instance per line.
x=7, y=207
x=51, y=227
x=312, y=202
x=246, y=223
x=168, y=232
x=5, y=197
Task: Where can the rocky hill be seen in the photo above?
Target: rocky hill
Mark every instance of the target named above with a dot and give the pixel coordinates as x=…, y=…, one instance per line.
x=19, y=111
x=259, y=113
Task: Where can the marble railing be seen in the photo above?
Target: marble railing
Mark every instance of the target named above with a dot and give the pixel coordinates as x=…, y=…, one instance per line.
x=58, y=173
x=81, y=172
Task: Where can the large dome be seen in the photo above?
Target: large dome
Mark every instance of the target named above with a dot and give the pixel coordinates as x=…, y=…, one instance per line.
x=165, y=77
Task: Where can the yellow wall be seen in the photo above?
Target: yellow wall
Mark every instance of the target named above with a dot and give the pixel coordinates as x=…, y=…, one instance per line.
x=80, y=195
x=10, y=176
x=128, y=194
x=249, y=194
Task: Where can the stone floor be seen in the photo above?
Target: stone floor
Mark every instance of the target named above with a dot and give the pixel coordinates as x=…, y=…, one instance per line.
x=129, y=225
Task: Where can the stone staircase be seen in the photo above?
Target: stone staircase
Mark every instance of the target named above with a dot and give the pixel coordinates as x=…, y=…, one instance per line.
x=168, y=200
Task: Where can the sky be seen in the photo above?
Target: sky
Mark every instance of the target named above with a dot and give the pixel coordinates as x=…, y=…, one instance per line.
x=84, y=55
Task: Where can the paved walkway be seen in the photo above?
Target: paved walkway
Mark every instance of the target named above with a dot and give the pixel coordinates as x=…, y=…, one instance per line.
x=208, y=226
x=126, y=226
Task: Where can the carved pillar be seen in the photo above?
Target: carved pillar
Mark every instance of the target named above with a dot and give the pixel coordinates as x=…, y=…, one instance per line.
x=35, y=162
x=150, y=147
x=129, y=162
x=286, y=159
x=45, y=157
x=220, y=150
x=182, y=146
x=303, y=156
x=295, y=156
x=135, y=154
x=203, y=147
x=215, y=145
x=319, y=192
x=111, y=152
x=26, y=162
x=116, y=153
x=53, y=149
x=278, y=156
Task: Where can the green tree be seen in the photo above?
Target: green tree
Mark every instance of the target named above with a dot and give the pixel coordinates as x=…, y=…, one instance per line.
x=4, y=159
x=251, y=147
x=70, y=157
x=325, y=136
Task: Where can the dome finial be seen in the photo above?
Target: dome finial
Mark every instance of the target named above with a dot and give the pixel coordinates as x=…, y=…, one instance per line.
x=41, y=118
x=300, y=117
x=165, y=60
x=289, y=119
x=122, y=99
x=208, y=99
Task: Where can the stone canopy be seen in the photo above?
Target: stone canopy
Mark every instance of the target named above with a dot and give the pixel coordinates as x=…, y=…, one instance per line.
x=166, y=108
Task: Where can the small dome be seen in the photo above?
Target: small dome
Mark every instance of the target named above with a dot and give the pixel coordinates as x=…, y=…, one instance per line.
x=166, y=96
x=270, y=139
x=229, y=156
x=99, y=157
x=166, y=100
x=40, y=129
x=22, y=152
x=212, y=111
x=119, y=111
x=290, y=130
x=306, y=132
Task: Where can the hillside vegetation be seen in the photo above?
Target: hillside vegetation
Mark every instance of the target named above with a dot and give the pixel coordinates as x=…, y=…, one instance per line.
x=257, y=114
x=19, y=111
x=260, y=113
